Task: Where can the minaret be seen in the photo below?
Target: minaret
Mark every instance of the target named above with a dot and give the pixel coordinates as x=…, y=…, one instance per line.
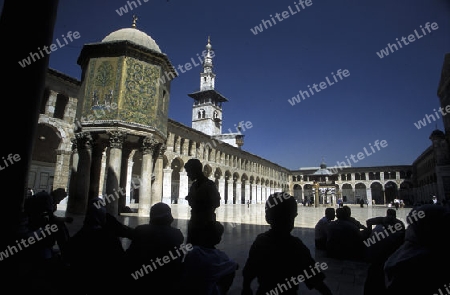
x=207, y=108
x=207, y=78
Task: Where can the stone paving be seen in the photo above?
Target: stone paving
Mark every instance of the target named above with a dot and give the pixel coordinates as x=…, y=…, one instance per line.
x=243, y=223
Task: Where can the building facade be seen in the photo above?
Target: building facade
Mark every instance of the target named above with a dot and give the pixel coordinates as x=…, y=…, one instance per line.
x=109, y=135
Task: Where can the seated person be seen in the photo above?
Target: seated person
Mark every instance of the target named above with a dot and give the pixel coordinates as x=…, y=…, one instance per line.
x=384, y=239
x=206, y=269
x=385, y=221
x=411, y=269
x=352, y=219
x=320, y=230
x=344, y=238
x=150, y=244
x=93, y=253
x=364, y=230
x=277, y=256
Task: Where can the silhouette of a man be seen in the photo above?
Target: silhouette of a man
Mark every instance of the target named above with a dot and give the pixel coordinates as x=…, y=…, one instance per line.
x=203, y=197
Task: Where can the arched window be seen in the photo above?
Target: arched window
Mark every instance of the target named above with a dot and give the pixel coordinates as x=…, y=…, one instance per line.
x=60, y=106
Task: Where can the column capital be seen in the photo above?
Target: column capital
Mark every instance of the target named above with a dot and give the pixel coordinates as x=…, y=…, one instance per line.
x=162, y=149
x=149, y=144
x=84, y=140
x=116, y=139
x=74, y=145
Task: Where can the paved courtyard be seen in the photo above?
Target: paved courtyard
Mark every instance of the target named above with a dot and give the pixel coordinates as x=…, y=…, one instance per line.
x=243, y=223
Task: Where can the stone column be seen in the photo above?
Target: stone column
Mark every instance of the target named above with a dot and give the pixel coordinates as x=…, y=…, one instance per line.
x=230, y=191
x=170, y=142
x=258, y=194
x=78, y=197
x=149, y=145
x=49, y=109
x=113, y=172
x=167, y=186
x=369, y=196
x=316, y=194
x=263, y=194
x=102, y=184
x=62, y=169
x=73, y=173
x=222, y=190
x=200, y=149
x=157, y=187
x=124, y=179
x=129, y=187
x=247, y=192
x=184, y=188
x=238, y=192
x=253, y=188
x=96, y=165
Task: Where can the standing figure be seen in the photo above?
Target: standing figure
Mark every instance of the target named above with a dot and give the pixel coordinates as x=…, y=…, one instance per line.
x=203, y=197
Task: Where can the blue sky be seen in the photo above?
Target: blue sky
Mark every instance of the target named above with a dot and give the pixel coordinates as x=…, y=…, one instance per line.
x=380, y=99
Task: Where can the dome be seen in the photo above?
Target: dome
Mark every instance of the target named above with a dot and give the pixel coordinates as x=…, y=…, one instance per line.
x=437, y=134
x=133, y=35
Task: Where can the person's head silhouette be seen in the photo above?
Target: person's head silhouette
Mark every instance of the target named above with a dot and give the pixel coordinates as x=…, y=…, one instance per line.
x=330, y=213
x=161, y=214
x=194, y=169
x=281, y=210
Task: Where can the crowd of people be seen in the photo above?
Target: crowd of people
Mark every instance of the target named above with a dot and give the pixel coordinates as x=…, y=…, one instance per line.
x=94, y=259
x=402, y=258
x=161, y=259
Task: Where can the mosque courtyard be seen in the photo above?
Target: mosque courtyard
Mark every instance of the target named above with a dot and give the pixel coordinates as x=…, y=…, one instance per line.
x=243, y=223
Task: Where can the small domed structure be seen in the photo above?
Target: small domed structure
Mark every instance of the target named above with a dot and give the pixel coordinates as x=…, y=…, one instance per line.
x=133, y=35
x=437, y=134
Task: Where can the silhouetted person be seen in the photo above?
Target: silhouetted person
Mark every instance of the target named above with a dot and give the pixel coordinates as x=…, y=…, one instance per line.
x=34, y=258
x=149, y=244
x=361, y=203
x=94, y=254
x=320, y=230
x=203, y=197
x=386, y=237
x=40, y=209
x=420, y=264
x=206, y=269
x=344, y=239
x=276, y=258
x=352, y=219
x=389, y=219
x=30, y=192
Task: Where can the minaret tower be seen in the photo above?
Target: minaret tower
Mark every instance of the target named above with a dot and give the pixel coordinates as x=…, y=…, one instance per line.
x=207, y=78
x=207, y=108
